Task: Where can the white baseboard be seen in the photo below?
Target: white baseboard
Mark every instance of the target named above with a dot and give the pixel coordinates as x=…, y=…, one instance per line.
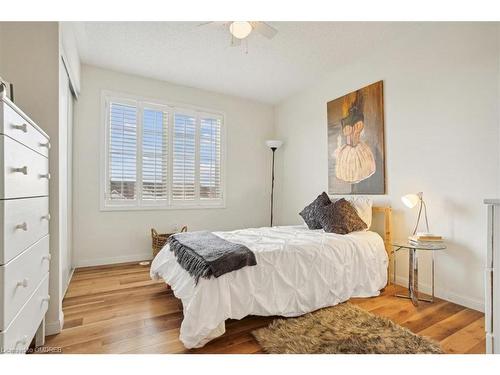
x=470, y=302
x=55, y=327
x=113, y=260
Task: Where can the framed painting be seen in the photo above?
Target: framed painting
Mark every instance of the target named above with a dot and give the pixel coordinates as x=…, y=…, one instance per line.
x=356, y=151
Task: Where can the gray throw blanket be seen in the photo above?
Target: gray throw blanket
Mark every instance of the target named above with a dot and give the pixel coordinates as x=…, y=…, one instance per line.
x=203, y=254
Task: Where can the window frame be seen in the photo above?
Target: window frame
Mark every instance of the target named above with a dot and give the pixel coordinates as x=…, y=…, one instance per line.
x=140, y=103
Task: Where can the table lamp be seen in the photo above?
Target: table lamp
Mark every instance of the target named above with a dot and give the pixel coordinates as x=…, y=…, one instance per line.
x=410, y=201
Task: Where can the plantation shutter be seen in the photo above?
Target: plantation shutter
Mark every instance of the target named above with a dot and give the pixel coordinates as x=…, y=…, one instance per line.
x=122, y=149
x=160, y=156
x=210, y=158
x=154, y=155
x=184, y=158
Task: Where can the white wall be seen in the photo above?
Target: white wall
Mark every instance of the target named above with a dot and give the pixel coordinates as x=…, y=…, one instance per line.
x=442, y=138
x=108, y=237
x=30, y=60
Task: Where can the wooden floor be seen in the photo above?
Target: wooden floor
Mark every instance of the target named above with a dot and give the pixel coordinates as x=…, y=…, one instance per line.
x=119, y=309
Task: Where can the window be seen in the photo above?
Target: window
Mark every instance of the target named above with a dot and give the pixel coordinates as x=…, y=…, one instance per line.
x=160, y=156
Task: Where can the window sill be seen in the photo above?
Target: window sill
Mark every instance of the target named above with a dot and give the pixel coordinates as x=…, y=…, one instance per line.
x=107, y=208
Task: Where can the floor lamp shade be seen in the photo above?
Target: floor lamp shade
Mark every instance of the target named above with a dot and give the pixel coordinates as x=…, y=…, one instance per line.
x=273, y=144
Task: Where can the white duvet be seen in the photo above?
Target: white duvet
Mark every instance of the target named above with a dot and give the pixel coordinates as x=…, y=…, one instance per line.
x=298, y=271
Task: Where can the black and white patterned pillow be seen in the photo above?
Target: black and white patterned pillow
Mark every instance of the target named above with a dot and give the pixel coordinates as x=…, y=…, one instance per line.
x=340, y=217
x=310, y=212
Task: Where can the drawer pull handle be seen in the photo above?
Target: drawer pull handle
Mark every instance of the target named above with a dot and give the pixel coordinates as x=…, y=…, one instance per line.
x=46, y=175
x=23, y=283
x=46, y=144
x=23, y=340
x=46, y=217
x=47, y=257
x=46, y=299
x=23, y=127
x=23, y=226
x=23, y=170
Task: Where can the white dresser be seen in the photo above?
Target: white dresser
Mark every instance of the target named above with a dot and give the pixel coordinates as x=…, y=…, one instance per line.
x=24, y=229
x=492, y=278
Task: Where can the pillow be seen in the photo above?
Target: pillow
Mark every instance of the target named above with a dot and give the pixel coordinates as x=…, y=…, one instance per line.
x=310, y=212
x=363, y=207
x=340, y=217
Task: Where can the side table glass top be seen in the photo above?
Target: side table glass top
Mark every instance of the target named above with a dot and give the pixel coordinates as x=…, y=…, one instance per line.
x=407, y=245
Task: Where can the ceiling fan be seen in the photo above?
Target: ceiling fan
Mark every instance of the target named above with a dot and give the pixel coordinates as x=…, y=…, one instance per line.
x=240, y=30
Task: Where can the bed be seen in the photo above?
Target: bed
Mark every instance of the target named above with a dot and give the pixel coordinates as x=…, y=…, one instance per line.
x=298, y=271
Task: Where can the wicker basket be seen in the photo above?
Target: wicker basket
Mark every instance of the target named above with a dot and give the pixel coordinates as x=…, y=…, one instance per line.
x=160, y=239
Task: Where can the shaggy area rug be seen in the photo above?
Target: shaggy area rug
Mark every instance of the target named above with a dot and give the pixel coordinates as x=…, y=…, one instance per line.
x=344, y=328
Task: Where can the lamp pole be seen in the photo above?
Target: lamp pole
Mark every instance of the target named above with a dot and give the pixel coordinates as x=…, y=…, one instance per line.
x=273, y=149
x=273, y=144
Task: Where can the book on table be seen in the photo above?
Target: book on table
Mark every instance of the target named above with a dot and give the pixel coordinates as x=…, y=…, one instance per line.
x=426, y=244
x=425, y=238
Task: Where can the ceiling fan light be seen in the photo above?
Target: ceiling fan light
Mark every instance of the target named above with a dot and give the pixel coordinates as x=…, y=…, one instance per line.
x=240, y=29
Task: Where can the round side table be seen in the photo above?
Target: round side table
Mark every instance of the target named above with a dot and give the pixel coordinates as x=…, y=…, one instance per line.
x=413, y=268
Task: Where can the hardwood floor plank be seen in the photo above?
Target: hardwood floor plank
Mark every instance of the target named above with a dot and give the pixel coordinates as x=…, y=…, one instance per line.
x=401, y=310
x=115, y=295
x=140, y=344
x=243, y=345
x=119, y=309
x=70, y=323
x=465, y=339
x=372, y=303
x=110, y=305
x=479, y=348
x=104, y=328
x=432, y=315
x=452, y=324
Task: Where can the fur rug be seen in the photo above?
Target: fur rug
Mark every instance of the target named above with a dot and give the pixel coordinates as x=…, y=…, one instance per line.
x=344, y=328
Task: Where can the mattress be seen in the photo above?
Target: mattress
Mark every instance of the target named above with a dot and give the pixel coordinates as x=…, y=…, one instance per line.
x=298, y=271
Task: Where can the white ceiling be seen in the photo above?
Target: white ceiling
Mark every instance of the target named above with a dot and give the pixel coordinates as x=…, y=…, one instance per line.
x=187, y=54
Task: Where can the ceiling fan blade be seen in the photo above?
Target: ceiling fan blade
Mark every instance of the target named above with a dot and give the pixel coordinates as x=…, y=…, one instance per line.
x=264, y=29
x=213, y=23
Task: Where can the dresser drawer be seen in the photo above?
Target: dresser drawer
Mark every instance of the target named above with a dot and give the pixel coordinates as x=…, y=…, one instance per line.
x=20, y=128
x=20, y=277
x=25, y=221
x=18, y=335
x=25, y=173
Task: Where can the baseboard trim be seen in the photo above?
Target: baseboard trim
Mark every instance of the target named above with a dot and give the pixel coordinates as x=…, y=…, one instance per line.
x=53, y=328
x=470, y=302
x=113, y=260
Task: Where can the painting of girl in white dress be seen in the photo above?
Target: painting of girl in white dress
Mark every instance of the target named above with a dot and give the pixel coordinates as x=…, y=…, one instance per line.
x=356, y=142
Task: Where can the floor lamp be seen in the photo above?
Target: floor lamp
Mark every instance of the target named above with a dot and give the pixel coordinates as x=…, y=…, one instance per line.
x=273, y=145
